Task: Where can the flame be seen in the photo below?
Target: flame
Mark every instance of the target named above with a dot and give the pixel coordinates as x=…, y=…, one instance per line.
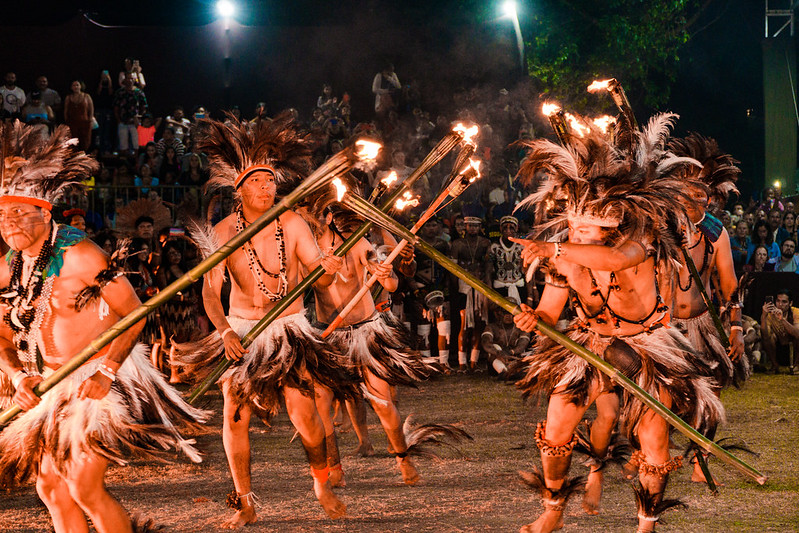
x=406, y=200
x=599, y=85
x=467, y=133
x=549, y=109
x=341, y=189
x=604, y=122
x=472, y=168
x=388, y=180
x=576, y=126
x=368, y=149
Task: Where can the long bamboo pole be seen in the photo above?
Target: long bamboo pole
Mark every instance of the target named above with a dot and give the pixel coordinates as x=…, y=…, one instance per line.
x=334, y=166
x=450, y=141
x=360, y=206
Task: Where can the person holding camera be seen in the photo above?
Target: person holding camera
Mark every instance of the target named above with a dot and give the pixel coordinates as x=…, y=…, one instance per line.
x=779, y=326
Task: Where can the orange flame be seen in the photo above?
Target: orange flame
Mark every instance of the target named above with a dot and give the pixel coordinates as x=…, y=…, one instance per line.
x=388, y=180
x=368, y=149
x=341, y=189
x=472, y=168
x=604, y=122
x=407, y=200
x=549, y=109
x=597, y=86
x=577, y=127
x=467, y=133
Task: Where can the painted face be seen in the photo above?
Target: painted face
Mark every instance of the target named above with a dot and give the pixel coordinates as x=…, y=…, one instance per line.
x=258, y=190
x=698, y=204
x=22, y=225
x=582, y=233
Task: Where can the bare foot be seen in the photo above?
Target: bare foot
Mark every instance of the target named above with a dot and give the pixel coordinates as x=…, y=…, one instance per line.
x=549, y=521
x=697, y=476
x=409, y=474
x=329, y=501
x=241, y=518
x=336, y=476
x=593, y=492
x=630, y=470
x=365, y=450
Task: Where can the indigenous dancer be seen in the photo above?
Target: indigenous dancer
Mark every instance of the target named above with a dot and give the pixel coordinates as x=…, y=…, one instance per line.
x=262, y=162
x=709, y=246
x=374, y=345
x=621, y=211
x=60, y=294
x=471, y=252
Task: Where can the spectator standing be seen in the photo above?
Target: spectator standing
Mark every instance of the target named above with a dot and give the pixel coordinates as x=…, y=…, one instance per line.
x=146, y=130
x=788, y=260
x=38, y=114
x=327, y=102
x=104, y=112
x=385, y=86
x=179, y=123
x=49, y=96
x=130, y=103
x=13, y=97
x=131, y=68
x=78, y=114
x=779, y=326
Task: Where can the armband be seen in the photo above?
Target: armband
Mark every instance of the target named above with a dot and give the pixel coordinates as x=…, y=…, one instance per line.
x=228, y=330
x=558, y=249
x=107, y=372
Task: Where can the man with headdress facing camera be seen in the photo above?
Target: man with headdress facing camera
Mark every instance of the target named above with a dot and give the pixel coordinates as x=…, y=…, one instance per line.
x=619, y=210
x=262, y=161
x=61, y=293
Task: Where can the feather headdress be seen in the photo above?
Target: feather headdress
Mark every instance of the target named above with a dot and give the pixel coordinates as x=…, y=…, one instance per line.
x=237, y=149
x=594, y=181
x=38, y=171
x=317, y=204
x=128, y=215
x=719, y=171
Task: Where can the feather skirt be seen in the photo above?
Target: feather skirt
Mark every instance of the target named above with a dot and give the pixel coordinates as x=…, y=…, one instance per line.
x=380, y=345
x=139, y=417
x=701, y=332
x=287, y=354
x=667, y=361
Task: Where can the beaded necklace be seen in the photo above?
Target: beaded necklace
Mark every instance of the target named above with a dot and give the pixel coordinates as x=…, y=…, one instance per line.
x=23, y=316
x=257, y=268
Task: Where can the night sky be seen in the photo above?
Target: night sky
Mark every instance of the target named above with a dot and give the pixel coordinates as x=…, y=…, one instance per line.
x=282, y=52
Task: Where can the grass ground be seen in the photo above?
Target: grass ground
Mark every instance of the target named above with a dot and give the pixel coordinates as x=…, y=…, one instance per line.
x=478, y=492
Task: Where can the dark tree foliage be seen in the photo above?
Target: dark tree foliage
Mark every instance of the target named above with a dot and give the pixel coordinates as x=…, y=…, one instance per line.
x=570, y=43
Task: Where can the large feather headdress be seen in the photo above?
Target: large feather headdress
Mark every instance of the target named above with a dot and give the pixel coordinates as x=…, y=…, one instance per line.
x=592, y=180
x=317, y=204
x=719, y=171
x=39, y=171
x=237, y=149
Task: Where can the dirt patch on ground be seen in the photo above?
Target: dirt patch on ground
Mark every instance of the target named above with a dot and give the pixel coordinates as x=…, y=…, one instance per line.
x=477, y=492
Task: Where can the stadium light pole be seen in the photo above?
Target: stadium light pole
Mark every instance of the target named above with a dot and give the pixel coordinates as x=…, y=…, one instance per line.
x=509, y=8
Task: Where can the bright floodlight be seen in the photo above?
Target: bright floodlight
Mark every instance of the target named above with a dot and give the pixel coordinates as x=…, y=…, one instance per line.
x=509, y=8
x=225, y=8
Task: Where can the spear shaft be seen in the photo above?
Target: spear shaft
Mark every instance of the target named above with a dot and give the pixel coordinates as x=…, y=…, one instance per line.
x=359, y=205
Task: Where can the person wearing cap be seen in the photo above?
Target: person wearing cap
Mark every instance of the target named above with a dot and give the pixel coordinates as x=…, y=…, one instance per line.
x=62, y=293
x=262, y=162
x=471, y=252
x=505, y=261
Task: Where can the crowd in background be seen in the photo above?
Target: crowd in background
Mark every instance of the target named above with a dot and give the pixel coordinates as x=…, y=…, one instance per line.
x=143, y=156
